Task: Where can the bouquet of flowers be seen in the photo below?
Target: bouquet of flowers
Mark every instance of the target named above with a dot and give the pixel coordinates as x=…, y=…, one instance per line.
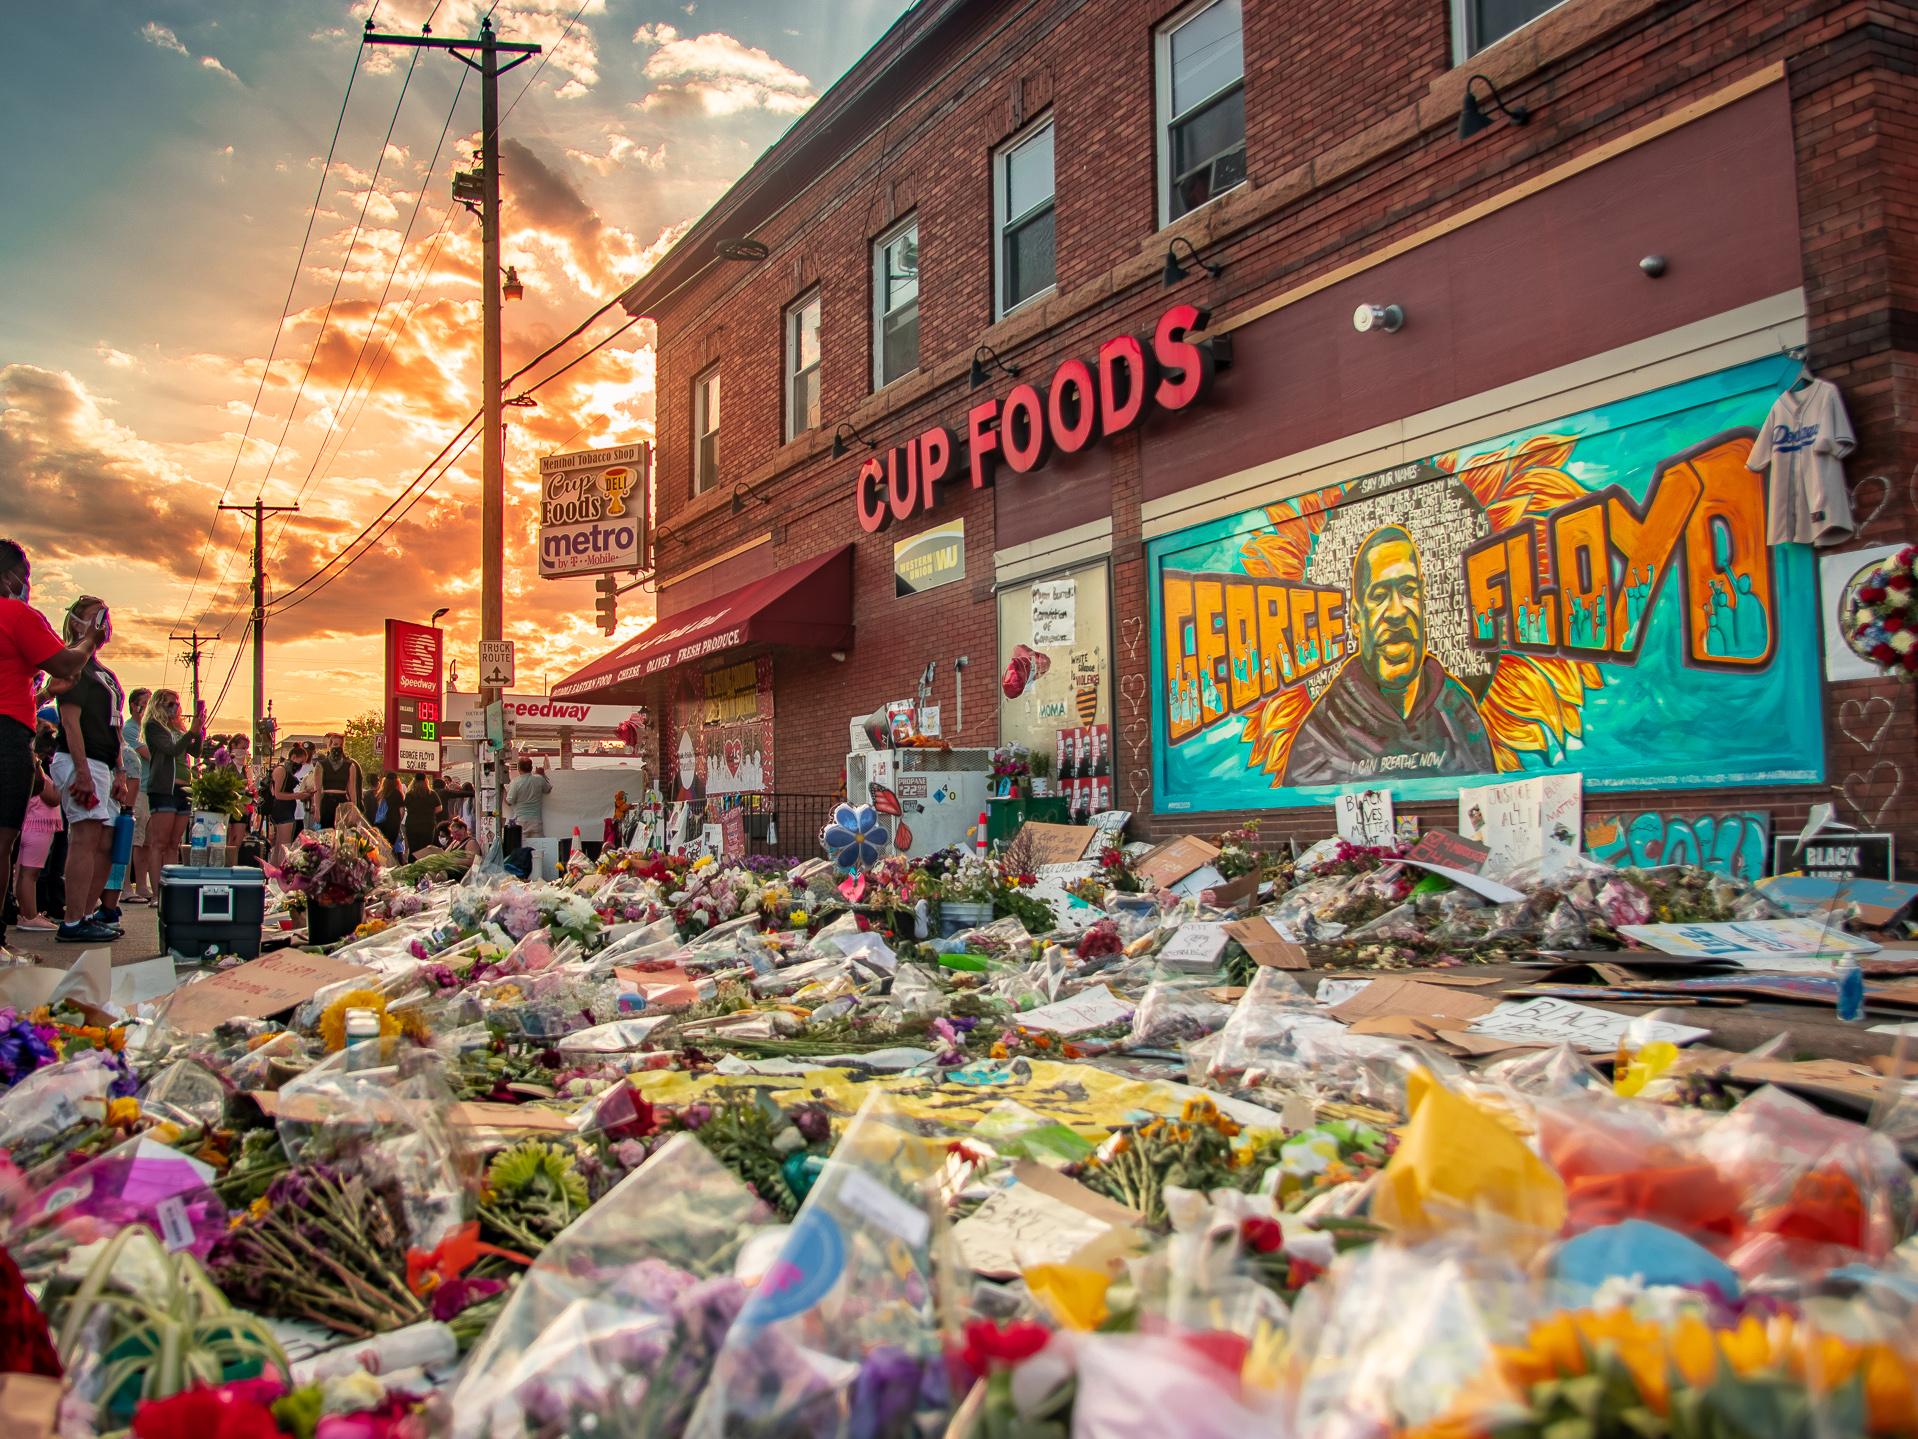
x=1880, y=620
x=1238, y=852
x=330, y=867
x=1011, y=761
x=26, y=1044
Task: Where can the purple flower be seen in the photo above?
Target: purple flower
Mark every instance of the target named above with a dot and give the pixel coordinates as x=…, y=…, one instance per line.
x=693, y=1116
x=455, y=1296
x=813, y=1123
x=886, y=1394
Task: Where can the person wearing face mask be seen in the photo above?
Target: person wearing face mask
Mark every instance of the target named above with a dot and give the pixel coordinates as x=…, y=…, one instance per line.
x=92, y=788
x=28, y=646
x=339, y=779
x=170, y=747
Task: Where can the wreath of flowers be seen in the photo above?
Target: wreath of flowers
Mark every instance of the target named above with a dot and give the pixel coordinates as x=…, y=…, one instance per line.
x=1880, y=621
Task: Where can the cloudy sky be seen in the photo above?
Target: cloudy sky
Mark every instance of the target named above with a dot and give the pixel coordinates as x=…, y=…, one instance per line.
x=163, y=162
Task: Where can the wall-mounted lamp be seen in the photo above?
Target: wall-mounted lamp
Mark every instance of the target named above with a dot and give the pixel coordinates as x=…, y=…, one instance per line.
x=514, y=288
x=979, y=373
x=1175, y=272
x=1472, y=119
x=842, y=433
x=1368, y=318
x=742, y=493
x=737, y=247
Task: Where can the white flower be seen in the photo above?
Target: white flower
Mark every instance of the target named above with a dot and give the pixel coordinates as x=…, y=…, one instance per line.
x=351, y=1393
x=1902, y=641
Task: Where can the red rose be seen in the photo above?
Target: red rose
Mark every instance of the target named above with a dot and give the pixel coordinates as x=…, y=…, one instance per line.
x=1870, y=594
x=1893, y=624
x=989, y=1346
x=1911, y=661
x=1900, y=583
x=1262, y=1236
x=202, y=1413
x=1883, y=653
x=1300, y=1273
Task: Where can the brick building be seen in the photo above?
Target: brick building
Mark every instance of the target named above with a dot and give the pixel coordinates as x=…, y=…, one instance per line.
x=1505, y=383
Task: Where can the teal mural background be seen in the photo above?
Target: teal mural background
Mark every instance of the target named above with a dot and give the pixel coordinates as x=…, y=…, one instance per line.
x=1658, y=723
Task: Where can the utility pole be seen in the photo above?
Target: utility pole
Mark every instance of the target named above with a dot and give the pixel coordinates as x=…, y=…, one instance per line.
x=492, y=464
x=196, y=643
x=259, y=513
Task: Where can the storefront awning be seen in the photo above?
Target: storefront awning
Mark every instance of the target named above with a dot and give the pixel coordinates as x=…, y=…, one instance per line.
x=808, y=605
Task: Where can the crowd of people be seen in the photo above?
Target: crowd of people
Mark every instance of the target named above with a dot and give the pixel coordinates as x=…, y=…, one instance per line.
x=95, y=780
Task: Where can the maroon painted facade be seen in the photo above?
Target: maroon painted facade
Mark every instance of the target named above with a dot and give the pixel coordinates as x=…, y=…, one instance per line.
x=1761, y=147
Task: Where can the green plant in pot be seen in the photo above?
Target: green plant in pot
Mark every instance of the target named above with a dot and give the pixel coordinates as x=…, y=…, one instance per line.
x=219, y=790
x=166, y=1331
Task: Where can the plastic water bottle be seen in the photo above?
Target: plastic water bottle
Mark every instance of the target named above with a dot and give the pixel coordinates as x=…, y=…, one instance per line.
x=1851, y=991
x=362, y=1030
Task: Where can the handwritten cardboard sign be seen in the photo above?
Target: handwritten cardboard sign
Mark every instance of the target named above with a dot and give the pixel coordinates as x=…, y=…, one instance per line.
x=1195, y=947
x=1563, y=1021
x=1747, y=939
x=1266, y=945
x=1432, y=1004
x=1171, y=862
x=1057, y=843
x=1045, y=1218
x=257, y=989
x=1455, y=851
x=1364, y=817
x=1094, y=1008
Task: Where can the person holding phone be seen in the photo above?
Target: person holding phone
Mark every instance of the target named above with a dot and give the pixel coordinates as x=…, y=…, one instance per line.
x=28, y=646
x=87, y=773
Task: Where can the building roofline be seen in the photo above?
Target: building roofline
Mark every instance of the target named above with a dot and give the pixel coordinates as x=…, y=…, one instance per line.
x=770, y=181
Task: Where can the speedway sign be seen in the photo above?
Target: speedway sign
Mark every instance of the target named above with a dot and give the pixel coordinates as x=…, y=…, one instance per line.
x=592, y=511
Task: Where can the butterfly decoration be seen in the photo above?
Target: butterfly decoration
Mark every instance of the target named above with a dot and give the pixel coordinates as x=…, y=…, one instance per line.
x=884, y=801
x=855, y=837
x=901, y=837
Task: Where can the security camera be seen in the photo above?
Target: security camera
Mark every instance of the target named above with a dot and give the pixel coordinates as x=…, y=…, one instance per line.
x=1377, y=317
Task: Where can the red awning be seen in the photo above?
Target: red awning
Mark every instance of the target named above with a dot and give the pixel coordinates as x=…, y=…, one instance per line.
x=808, y=605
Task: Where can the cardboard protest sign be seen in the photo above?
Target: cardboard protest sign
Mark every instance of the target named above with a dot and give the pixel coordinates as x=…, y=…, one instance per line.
x=1057, y=843
x=1563, y=1021
x=1171, y=862
x=257, y=989
x=1454, y=851
x=1266, y=945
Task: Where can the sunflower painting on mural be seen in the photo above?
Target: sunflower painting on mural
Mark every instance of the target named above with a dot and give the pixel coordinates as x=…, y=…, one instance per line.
x=1583, y=595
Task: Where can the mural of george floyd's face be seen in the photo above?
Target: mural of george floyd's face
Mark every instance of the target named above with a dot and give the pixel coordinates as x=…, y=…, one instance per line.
x=1390, y=588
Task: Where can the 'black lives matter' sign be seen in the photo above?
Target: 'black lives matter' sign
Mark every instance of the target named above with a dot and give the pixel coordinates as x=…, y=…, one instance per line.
x=1834, y=856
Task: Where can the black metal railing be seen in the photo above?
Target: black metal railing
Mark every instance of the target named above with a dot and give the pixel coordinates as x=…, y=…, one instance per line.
x=785, y=824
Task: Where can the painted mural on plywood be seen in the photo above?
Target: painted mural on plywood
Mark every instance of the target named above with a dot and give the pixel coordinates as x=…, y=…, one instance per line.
x=1593, y=594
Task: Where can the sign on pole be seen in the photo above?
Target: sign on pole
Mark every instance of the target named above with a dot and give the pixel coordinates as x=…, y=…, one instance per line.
x=413, y=697
x=592, y=511
x=496, y=663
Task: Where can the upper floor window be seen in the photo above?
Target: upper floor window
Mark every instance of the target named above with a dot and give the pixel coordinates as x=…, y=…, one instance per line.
x=1022, y=205
x=1479, y=23
x=802, y=366
x=706, y=431
x=1201, y=84
x=895, y=303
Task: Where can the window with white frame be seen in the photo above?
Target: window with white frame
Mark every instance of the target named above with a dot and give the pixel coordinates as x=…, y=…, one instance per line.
x=895, y=303
x=1201, y=84
x=1477, y=24
x=706, y=431
x=1022, y=204
x=802, y=366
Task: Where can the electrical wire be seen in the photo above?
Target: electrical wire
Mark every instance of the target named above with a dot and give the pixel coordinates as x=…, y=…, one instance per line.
x=286, y=307
x=548, y=55
x=346, y=263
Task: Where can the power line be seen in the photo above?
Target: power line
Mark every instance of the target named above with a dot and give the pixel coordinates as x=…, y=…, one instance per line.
x=346, y=262
x=286, y=307
x=543, y=59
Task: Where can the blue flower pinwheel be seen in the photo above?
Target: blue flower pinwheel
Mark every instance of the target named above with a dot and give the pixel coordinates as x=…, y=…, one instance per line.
x=854, y=837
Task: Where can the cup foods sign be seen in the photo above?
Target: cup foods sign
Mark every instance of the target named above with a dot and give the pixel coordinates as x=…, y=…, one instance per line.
x=592, y=511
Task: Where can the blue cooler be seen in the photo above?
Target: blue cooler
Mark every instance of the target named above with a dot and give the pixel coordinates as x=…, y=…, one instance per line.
x=207, y=908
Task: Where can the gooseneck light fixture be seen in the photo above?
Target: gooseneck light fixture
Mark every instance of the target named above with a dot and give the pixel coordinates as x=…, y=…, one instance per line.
x=1472, y=118
x=845, y=431
x=979, y=372
x=1175, y=272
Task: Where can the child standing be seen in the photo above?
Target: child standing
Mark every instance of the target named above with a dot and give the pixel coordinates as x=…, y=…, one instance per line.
x=42, y=823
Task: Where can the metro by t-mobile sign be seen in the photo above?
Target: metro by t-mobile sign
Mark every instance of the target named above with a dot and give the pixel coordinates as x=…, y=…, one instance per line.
x=1082, y=403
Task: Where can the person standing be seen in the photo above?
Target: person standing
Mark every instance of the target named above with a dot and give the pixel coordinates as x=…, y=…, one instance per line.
x=389, y=814
x=526, y=806
x=422, y=809
x=142, y=886
x=28, y=645
x=339, y=779
x=169, y=740
x=87, y=771
x=284, y=812
x=240, y=760
x=42, y=826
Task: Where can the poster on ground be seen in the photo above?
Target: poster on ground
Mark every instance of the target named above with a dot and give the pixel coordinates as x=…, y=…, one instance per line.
x=1594, y=595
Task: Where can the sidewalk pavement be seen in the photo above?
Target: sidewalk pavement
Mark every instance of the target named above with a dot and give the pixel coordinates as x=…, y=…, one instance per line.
x=141, y=941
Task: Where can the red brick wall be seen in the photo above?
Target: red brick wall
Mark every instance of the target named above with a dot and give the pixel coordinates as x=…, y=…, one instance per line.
x=1350, y=147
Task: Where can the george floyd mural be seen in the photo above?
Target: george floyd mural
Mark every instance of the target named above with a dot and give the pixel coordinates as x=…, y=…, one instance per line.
x=1592, y=594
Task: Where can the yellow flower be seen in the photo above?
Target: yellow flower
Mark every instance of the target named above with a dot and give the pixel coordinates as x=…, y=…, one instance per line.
x=258, y=1208
x=123, y=1113
x=333, y=1020
x=799, y=916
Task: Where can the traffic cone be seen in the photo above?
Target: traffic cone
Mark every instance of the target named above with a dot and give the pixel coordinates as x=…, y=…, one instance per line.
x=982, y=834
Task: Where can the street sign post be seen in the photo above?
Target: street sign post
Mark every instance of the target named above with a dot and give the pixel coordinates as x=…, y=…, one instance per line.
x=496, y=663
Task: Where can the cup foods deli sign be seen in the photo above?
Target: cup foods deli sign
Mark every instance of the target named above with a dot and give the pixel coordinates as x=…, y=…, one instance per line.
x=592, y=511
x=1084, y=401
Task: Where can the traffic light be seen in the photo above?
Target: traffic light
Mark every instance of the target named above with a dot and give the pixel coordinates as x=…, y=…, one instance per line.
x=607, y=605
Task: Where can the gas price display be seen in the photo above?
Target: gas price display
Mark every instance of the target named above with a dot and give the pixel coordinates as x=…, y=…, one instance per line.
x=416, y=718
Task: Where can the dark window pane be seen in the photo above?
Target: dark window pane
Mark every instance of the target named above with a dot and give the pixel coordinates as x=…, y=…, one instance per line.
x=1208, y=153
x=901, y=353
x=804, y=414
x=1495, y=19
x=1028, y=252
x=708, y=460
